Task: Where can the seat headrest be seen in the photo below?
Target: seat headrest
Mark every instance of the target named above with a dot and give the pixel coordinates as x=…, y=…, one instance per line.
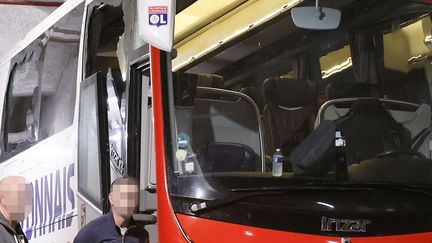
x=210, y=80
x=288, y=92
x=343, y=89
x=190, y=81
x=368, y=107
x=250, y=91
x=256, y=94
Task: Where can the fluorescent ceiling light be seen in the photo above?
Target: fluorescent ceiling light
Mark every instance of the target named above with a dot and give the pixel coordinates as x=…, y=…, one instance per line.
x=251, y=16
x=337, y=68
x=335, y=61
x=404, y=49
x=201, y=13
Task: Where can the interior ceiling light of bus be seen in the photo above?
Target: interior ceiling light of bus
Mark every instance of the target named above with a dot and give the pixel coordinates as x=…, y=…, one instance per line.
x=231, y=26
x=428, y=40
x=201, y=13
x=337, y=68
x=335, y=61
x=407, y=48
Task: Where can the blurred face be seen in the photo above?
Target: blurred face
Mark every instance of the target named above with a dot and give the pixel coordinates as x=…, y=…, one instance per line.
x=124, y=199
x=17, y=199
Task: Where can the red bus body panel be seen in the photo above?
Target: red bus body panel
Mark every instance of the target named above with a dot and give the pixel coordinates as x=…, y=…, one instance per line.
x=167, y=226
x=201, y=230
x=209, y=231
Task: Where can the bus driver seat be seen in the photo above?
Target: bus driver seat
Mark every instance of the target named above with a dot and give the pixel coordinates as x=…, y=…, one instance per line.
x=369, y=130
x=289, y=113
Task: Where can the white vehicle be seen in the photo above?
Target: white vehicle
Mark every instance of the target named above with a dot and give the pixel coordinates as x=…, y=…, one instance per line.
x=344, y=91
x=66, y=102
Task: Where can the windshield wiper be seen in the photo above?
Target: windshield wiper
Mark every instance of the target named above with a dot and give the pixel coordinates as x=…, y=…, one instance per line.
x=197, y=207
x=315, y=186
x=260, y=191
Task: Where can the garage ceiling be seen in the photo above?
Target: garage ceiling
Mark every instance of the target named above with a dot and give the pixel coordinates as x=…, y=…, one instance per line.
x=48, y=3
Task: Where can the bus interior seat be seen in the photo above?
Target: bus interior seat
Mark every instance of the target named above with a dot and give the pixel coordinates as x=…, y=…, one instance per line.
x=315, y=156
x=416, y=119
x=224, y=121
x=210, y=80
x=219, y=121
x=185, y=100
x=289, y=112
x=418, y=123
x=25, y=129
x=401, y=86
x=216, y=120
x=330, y=112
x=337, y=89
x=341, y=89
x=225, y=157
x=369, y=130
x=190, y=82
x=256, y=94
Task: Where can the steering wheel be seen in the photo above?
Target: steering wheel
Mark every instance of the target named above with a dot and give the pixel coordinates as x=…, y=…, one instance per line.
x=396, y=153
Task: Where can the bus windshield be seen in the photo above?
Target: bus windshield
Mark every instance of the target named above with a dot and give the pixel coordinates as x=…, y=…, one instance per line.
x=346, y=108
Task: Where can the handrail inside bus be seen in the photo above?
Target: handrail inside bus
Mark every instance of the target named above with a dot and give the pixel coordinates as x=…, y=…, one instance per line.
x=248, y=99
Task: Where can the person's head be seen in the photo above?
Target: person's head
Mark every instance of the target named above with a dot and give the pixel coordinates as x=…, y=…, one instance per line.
x=124, y=196
x=15, y=197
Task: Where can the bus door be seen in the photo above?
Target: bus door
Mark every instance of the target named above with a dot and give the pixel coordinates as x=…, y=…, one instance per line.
x=115, y=49
x=93, y=149
x=140, y=142
x=101, y=63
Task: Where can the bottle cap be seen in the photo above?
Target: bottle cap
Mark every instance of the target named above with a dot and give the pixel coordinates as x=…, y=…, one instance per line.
x=278, y=150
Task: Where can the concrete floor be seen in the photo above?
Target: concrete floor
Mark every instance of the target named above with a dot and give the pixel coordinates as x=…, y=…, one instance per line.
x=17, y=20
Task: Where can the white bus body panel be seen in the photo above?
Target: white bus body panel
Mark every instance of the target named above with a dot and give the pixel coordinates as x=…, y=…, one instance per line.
x=59, y=211
x=39, y=29
x=49, y=165
x=4, y=76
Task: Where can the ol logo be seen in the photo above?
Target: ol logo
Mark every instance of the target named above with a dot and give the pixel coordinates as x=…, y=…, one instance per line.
x=158, y=15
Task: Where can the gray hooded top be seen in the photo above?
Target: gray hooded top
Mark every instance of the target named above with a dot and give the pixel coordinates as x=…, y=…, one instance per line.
x=7, y=232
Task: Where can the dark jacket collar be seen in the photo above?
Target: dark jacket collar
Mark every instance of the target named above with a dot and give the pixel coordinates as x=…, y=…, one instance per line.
x=17, y=231
x=133, y=233
x=110, y=217
x=6, y=223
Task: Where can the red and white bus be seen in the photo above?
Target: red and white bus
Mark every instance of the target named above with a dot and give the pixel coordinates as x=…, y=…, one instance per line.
x=341, y=88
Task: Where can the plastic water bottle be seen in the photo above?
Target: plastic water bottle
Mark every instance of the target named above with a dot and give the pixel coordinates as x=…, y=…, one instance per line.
x=341, y=164
x=277, y=163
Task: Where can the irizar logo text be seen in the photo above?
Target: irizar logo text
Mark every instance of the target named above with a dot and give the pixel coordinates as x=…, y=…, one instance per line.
x=344, y=225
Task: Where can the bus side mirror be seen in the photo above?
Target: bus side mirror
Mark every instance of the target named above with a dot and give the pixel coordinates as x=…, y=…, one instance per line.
x=156, y=23
x=316, y=18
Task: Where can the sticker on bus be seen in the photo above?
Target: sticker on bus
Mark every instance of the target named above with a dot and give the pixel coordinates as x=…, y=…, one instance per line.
x=158, y=15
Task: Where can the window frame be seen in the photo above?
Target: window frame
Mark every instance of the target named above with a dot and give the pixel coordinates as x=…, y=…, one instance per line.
x=17, y=60
x=101, y=203
x=20, y=59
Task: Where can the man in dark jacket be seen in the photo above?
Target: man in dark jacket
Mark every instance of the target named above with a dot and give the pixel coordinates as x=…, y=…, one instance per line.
x=117, y=226
x=15, y=204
